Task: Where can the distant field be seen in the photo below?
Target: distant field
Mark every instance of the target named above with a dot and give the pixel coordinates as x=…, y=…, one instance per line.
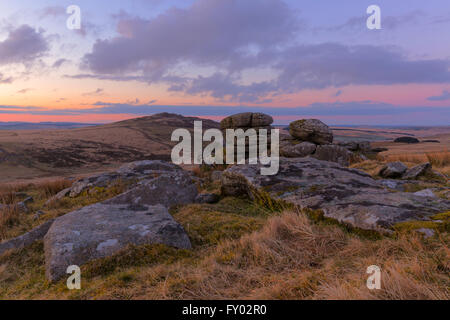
x=29, y=154
x=385, y=133
x=42, y=125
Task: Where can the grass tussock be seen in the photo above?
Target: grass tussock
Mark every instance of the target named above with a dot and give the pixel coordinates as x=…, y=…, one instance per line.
x=52, y=187
x=264, y=256
x=15, y=222
x=10, y=216
x=437, y=159
x=373, y=167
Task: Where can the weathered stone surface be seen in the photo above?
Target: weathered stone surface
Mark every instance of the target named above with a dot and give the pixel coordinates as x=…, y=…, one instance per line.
x=261, y=120
x=101, y=180
x=347, y=195
x=137, y=216
x=302, y=149
x=284, y=136
x=246, y=120
x=361, y=146
x=425, y=193
x=311, y=130
x=146, y=167
x=397, y=184
x=167, y=189
x=391, y=184
x=393, y=170
x=26, y=239
x=334, y=153
x=134, y=171
x=207, y=198
x=102, y=229
x=417, y=171
x=394, y=184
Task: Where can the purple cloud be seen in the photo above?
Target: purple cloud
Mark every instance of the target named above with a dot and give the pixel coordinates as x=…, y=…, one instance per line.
x=23, y=91
x=23, y=45
x=389, y=22
x=335, y=65
x=58, y=63
x=221, y=32
x=5, y=80
x=338, y=93
x=444, y=96
x=228, y=37
x=98, y=92
x=53, y=11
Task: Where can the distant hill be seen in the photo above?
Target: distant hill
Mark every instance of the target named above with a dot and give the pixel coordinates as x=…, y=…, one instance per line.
x=42, y=125
x=50, y=152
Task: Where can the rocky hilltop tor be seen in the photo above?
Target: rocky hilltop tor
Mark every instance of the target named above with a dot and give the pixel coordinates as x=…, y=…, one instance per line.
x=150, y=212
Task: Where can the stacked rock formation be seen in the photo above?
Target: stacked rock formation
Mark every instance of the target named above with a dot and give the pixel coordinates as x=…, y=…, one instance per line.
x=245, y=121
x=312, y=137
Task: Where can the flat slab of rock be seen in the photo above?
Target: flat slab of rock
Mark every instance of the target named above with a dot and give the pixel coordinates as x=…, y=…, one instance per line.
x=26, y=239
x=133, y=171
x=101, y=229
x=168, y=189
x=347, y=195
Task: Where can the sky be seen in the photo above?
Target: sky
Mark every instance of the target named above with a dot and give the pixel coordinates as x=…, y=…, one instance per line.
x=289, y=58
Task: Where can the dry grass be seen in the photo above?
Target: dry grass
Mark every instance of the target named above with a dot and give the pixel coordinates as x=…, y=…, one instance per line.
x=292, y=258
x=9, y=217
x=46, y=188
x=241, y=250
x=437, y=159
x=371, y=167
x=14, y=222
x=287, y=257
x=8, y=193
x=52, y=187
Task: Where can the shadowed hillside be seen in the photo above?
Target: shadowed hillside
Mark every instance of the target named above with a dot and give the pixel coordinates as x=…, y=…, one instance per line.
x=41, y=153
